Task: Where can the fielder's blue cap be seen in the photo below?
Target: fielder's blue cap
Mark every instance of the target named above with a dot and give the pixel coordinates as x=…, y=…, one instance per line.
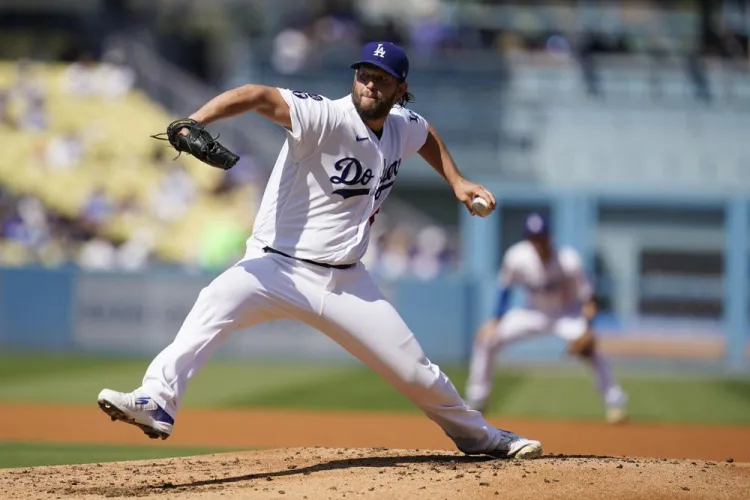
x=386, y=56
x=536, y=225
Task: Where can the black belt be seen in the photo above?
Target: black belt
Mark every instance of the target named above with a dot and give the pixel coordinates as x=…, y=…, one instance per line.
x=321, y=264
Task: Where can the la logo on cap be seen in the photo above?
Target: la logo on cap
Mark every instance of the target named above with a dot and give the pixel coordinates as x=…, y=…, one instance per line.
x=380, y=51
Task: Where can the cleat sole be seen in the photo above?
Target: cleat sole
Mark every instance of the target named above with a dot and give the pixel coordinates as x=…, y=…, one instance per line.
x=115, y=414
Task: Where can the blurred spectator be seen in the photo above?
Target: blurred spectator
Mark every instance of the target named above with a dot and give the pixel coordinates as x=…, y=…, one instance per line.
x=34, y=115
x=27, y=77
x=32, y=233
x=98, y=208
x=37, y=160
x=395, y=9
x=130, y=207
x=52, y=253
x=25, y=224
x=64, y=151
x=110, y=78
x=291, y=47
x=171, y=198
x=14, y=228
x=62, y=231
x=29, y=91
x=406, y=249
x=97, y=254
x=337, y=23
x=386, y=31
x=100, y=253
x=80, y=76
x=247, y=171
x=134, y=254
x=430, y=249
x=34, y=216
x=114, y=77
x=6, y=119
x=394, y=255
x=428, y=33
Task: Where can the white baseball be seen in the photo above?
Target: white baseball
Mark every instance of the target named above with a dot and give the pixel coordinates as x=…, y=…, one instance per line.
x=480, y=206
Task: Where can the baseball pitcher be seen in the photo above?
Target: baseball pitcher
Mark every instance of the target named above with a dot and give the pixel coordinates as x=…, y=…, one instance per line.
x=336, y=167
x=560, y=301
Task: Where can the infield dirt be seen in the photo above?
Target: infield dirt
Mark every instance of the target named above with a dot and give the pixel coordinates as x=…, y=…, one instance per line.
x=378, y=455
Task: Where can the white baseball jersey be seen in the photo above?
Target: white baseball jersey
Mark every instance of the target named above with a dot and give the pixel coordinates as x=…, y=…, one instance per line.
x=331, y=176
x=553, y=287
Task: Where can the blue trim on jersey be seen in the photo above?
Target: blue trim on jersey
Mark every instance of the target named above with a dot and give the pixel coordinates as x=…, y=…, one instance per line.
x=503, y=298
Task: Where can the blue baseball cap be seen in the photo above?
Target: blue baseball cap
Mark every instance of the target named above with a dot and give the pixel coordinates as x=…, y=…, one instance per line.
x=536, y=225
x=386, y=56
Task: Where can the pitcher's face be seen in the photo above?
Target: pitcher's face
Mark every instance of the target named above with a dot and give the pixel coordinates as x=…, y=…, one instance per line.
x=375, y=92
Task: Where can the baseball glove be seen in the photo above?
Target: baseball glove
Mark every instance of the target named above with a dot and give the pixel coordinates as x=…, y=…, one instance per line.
x=199, y=143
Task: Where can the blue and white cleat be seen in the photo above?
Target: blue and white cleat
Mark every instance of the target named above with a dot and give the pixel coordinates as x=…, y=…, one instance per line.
x=137, y=409
x=510, y=445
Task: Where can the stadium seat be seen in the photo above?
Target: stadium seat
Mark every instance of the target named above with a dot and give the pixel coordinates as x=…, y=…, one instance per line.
x=118, y=158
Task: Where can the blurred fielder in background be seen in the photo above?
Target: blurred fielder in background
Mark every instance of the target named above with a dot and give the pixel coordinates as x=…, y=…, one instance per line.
x=560, y=301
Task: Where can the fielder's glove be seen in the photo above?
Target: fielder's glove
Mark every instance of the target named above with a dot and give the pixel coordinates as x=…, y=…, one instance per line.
x=199, y=143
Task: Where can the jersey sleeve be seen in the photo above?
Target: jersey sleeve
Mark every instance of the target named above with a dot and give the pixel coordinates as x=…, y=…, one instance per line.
x=507, y=276
x=313, y=119
x=506, y=279
x=416, y=131
x=581, y=283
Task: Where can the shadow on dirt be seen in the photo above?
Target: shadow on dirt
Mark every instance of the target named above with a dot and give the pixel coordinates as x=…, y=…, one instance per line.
x=331, y=465
x=440, y=462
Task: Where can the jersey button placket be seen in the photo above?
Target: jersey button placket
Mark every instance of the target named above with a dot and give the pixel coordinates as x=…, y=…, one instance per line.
x=373, y=194
x=382, y=165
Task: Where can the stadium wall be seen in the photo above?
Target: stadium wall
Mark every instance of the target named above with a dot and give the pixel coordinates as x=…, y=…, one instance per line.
x=141, y=312
x=68, y=309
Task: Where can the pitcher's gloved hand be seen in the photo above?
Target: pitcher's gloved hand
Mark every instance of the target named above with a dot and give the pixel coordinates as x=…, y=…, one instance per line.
x=198, y=142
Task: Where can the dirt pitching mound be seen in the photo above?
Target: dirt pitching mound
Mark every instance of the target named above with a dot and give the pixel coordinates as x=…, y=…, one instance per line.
x=328, y=473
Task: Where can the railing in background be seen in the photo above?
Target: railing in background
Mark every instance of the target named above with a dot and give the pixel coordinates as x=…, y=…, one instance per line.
x=671, y=82
x=648, y=122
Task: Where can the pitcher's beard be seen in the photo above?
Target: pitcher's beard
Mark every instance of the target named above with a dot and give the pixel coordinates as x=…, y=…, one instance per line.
x=380, y=110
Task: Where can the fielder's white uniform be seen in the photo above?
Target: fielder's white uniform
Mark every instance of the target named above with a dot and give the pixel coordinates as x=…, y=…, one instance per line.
x=555, y=292
x=331, y=176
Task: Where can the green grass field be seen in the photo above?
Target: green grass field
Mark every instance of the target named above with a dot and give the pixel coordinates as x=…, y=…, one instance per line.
x=555, y=393
x=565, y=393
x=14, y=454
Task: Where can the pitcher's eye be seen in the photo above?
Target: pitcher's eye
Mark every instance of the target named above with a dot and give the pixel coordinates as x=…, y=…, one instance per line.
x=372, y=77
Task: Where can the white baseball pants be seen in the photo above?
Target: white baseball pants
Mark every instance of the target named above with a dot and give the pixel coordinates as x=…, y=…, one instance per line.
x=346, y=305
x=514, y=325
